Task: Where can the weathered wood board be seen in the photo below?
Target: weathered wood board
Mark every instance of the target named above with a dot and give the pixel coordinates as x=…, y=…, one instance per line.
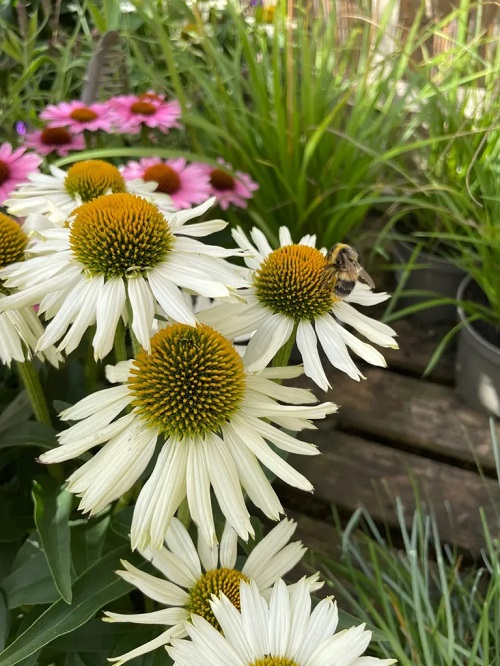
x=353, y=472
x=395, y=433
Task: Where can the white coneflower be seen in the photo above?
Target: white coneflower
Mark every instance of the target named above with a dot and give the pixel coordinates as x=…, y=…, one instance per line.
x=281, y=632
x=193, y=575
x=57, y=195
x=20, y=329
x=118, y=248
x=213, y=420
x=289, y=293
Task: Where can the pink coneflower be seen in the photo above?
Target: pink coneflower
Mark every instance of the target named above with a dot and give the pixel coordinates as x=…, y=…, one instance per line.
x=54, y=140
x=149, y=109
x=15, y=166
x=230, y=189
x=186, y=184
x=77, y=116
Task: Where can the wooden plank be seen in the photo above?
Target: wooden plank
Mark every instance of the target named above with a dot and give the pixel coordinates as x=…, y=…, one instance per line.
x=353, y=472
x=320, y=536
x=411, y=414
x=416, y=347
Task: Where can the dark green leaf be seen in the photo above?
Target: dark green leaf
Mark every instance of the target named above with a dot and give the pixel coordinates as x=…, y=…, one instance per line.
x=52, y=511
x=3, y=622
x=18, y=410
x=92, y=590
x=94, y=636
x=31, y=583
x=16, y=517
x=87, y=541
x=29, y=434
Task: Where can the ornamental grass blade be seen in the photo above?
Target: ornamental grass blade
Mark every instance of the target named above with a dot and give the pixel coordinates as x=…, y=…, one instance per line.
x=95, y=588
x=52, y=511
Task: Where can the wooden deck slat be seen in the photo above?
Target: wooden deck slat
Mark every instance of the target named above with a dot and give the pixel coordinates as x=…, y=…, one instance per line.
x=353, y=472
x=416, y=347
x=411, y=413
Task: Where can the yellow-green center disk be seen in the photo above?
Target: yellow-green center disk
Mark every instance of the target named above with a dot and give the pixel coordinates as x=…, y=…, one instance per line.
x=190, y=383
x=119, y=235
x=212, y=582
x=291, y=281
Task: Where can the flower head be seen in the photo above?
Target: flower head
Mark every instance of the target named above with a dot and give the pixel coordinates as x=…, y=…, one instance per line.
x=78, y=117
x=20, y=329
x=118, y=248
x=186, y=184
x=229, y=189
x=54, y=140
x=131, y=112
x=281, y=632
x=289, y=293
x=58, y=194
x=194, y=575
x=214, y=419
x=15, y=166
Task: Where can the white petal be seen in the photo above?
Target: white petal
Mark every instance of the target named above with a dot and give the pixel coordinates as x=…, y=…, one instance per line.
x=110, y=307
x=334, y=346
x=158, y=642
x=198, y=491
x=374, y=330
x=307, y=344
x=160, y=497
x=141, y=302
x=170, y=299
x=155, y=588
x=267, y=340
x=181, y=544
x=228, y=547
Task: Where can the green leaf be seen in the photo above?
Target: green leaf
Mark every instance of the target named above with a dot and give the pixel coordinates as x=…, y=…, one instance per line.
x=3, y=622
x=87, y=541
x=18, y=410
x=29, y=434
x=92, y=590
x=52, y=511
x=16, y=517
x=31, y=581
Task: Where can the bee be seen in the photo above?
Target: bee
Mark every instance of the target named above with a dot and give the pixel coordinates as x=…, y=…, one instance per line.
x=343, y=270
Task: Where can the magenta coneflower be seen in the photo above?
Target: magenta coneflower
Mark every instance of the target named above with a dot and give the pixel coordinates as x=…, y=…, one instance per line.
x=230, y=189
x=186, y=184
x=133, y=111
x=77, y=116
x=54, y=140
x=15, y=165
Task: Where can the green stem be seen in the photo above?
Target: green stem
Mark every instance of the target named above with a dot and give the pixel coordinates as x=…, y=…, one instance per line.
x=31, y=381
x=283, y=354
x=183, y=513
x=136, y=345
x=120, y=346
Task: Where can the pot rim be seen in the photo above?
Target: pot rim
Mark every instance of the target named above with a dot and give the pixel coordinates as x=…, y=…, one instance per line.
x=463, y=318
x=447, y=263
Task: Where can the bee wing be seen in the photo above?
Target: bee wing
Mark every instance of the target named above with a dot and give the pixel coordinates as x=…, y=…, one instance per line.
x=364, y=276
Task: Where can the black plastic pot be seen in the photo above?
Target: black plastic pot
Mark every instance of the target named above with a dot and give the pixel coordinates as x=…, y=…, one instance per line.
x=477, y=370
x=431, y=274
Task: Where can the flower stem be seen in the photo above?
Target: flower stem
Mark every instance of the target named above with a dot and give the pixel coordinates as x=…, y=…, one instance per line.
x=31, y=381
x=120, y=346
x=136, y=345
x=282, y=356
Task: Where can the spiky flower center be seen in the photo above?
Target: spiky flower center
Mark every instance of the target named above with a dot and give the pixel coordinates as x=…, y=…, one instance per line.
x=93, y=178
x=119, y=235
x=4, y=172
x=215, y=581
x=83, y=114
x=291, y=281
x=190, y=383
x=143, y=108
x=13, y=241
x=167, y=178
x=55, y=136
x=221, y=180
x=269, y=660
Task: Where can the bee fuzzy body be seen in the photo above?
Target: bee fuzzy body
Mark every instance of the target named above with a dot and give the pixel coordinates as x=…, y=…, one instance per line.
x=343, y=270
